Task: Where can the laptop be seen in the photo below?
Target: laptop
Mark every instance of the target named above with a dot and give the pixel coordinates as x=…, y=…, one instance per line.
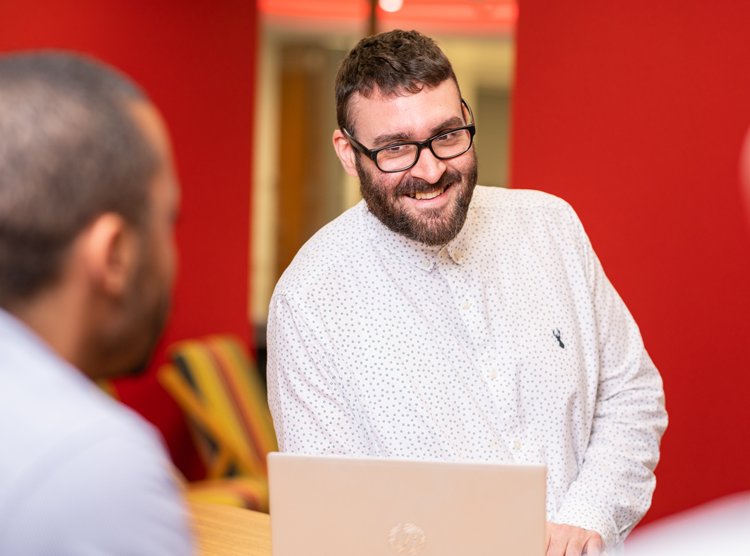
x=345, y=506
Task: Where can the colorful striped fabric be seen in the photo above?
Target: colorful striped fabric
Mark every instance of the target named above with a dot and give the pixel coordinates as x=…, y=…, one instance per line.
x=224, y=399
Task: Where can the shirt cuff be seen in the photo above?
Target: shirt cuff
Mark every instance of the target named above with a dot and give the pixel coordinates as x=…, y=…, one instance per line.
x=586, y=516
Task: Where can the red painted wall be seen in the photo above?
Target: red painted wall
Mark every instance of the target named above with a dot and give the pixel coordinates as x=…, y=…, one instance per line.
x=634, y=112
x=197, y=62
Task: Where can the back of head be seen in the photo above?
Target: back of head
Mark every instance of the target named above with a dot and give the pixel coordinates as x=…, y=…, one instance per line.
x=393, y=63
x=69, y=151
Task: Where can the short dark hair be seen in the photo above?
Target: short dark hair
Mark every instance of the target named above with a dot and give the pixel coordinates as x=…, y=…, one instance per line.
x=70, y=151
x=393, y=63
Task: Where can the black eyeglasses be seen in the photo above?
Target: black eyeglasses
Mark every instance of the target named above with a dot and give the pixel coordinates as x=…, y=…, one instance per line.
x=403, y=155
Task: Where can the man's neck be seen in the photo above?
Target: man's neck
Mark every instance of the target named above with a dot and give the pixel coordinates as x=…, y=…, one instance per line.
x=56, y=316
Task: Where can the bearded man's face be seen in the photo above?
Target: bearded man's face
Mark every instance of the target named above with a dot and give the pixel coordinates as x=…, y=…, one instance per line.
x=432, y=225
x=429, y=201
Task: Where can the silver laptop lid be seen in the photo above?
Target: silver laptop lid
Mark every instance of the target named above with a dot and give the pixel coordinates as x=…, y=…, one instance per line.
x=341, y=506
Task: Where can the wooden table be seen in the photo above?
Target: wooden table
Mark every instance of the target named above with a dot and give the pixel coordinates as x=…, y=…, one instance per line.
x=227, y=531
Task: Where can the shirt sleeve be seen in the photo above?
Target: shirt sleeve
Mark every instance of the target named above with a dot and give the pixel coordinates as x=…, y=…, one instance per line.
x=116, y=497
x=615, y=483
x=311, y=413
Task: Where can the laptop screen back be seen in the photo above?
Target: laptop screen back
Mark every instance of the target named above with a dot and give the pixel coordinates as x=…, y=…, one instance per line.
x=340, y=506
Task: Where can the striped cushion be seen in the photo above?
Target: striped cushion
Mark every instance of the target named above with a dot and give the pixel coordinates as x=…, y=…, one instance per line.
x=220, y=372
x=224, y=397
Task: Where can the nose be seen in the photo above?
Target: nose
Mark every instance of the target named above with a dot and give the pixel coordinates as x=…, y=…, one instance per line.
x=428, y=167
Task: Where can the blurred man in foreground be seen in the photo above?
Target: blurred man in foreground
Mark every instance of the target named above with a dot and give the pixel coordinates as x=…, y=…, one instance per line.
x=442, y=320
x=88, y=200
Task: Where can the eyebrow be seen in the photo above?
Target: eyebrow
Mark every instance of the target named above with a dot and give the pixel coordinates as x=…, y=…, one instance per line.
x=386, y=138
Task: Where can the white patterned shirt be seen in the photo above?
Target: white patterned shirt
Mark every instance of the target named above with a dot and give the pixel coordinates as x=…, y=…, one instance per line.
x=507, y=345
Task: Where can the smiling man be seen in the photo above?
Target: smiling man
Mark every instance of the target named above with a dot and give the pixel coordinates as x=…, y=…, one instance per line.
x=442, y=320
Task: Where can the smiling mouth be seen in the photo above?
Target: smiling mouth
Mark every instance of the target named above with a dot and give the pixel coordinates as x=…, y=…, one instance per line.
x=428, y=194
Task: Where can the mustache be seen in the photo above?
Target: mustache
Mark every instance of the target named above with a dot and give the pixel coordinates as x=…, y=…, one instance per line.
x=411, y=185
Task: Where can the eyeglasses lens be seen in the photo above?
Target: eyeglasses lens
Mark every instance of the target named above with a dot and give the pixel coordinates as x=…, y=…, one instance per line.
x=447, y=145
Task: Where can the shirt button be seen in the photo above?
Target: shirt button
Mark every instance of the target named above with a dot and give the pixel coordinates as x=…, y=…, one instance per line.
x=493, y=373
x=458, y=255
x=517, y=445
x=426, y=264
x=466, y=305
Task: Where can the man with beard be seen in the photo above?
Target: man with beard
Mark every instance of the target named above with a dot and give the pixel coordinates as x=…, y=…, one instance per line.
x=88, y=200
x=442, y=321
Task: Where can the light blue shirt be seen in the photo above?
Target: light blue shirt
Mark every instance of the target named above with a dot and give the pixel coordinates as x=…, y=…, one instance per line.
x=80, y=474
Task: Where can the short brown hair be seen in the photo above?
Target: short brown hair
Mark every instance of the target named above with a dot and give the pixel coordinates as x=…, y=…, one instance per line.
x=393, y=63
x=70, y=151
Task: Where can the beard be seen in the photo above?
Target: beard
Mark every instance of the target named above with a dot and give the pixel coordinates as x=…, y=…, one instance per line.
x=432, y=227
x=125, y=346
x=147, y=334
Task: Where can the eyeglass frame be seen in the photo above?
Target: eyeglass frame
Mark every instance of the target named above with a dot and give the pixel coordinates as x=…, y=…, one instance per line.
x=372, y=154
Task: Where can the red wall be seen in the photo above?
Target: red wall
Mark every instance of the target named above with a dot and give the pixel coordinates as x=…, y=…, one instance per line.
x=634, y=112
x=196, y=60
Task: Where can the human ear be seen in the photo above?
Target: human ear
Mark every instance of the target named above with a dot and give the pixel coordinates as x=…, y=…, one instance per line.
x=110, y=250
x=345, y=152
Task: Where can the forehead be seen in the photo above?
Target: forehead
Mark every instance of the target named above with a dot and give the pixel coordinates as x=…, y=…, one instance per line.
x=413, y=114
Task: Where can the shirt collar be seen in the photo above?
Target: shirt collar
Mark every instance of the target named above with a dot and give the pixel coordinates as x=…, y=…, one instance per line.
x=17, y=336
x=18, y=332
x=414, y=252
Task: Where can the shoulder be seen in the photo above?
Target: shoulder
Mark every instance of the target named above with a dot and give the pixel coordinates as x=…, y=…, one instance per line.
x=57, y=417
x=110, y=495
x=508, y=200
x=519, y=209
x=526, y=219
x=329, y=256
x=51, y=413
x=78, y=465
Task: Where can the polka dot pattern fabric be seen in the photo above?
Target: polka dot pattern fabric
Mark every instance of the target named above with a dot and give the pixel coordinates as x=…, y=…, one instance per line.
x=507, y=345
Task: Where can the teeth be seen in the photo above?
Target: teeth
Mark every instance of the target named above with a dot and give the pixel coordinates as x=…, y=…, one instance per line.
x=429, y=195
